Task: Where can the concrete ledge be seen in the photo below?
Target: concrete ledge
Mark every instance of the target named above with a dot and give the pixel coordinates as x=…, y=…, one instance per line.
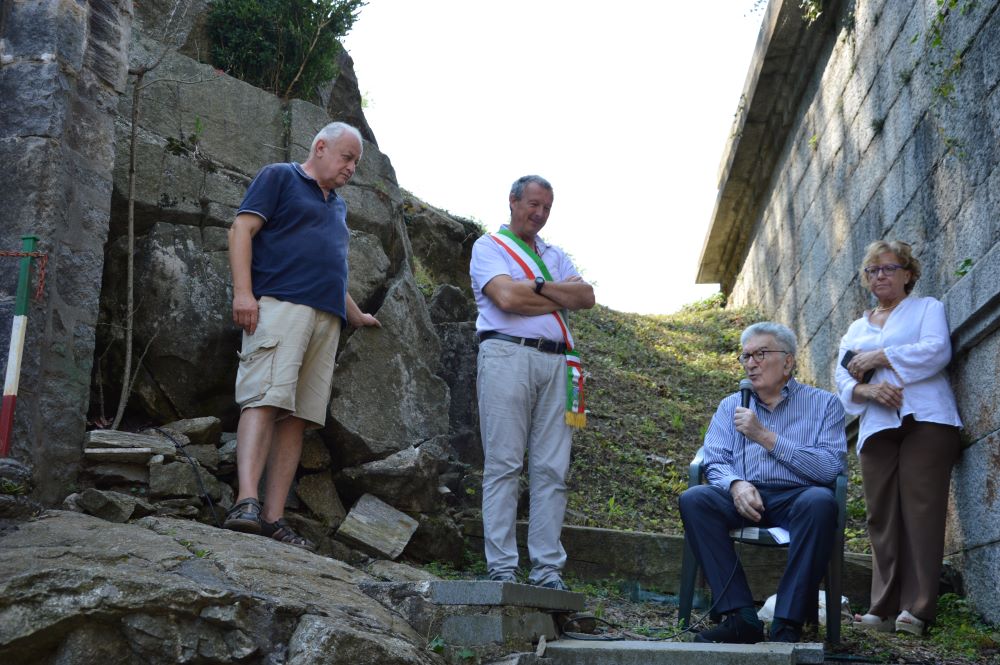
x=566, y=652
x=973, y=303
x=654, y=560
x=504, y=593
x=481, y=629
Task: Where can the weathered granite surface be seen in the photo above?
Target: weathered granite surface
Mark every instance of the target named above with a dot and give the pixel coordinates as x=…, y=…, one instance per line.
x=76, y=589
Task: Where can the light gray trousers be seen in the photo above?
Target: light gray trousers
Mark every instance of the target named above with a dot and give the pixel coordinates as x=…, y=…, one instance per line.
x=522, y=405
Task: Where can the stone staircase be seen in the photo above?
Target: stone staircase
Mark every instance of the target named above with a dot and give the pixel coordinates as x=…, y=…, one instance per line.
x=504, y=623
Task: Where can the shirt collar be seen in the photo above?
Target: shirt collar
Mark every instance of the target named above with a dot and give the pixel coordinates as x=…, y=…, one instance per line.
x=790, y=388
x=302, y=172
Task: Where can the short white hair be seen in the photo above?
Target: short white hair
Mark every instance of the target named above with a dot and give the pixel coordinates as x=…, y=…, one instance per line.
x=334, y=131
x=781, y=333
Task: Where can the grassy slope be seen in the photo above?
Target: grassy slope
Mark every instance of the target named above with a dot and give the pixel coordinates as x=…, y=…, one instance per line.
x=653, y=383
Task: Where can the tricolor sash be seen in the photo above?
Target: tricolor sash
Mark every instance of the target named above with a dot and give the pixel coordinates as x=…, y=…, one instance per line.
x=533, y=265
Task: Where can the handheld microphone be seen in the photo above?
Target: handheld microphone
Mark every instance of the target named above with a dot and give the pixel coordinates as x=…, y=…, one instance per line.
x=746, y=386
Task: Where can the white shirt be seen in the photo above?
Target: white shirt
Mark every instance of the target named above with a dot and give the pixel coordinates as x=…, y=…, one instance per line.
x=489, y=260
x=916, y=341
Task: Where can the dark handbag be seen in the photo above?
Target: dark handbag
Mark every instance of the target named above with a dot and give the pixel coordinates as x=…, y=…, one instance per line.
x=847, y=358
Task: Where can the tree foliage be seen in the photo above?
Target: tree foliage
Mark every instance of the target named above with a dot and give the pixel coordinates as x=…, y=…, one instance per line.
x=287, y=47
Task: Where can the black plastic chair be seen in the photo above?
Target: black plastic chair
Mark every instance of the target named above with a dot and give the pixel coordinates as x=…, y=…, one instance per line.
x=834, y=571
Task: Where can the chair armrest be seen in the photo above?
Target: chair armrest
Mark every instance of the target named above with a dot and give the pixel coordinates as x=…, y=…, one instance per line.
x=695, y=471
x=840, y=491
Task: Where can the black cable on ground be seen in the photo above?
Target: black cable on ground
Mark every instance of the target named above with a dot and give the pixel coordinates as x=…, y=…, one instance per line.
x=205, y=498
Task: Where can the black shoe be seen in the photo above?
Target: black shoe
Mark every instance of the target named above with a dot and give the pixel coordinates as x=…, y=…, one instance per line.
x=783, y=630
x=504, y=577
x=734, y=629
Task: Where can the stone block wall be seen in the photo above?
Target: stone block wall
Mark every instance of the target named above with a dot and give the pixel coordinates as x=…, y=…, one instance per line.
x=62, y=68
x=892, y=139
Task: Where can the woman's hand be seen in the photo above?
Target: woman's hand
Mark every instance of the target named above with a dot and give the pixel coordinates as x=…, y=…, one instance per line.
x=866, y=360
x=883, y=393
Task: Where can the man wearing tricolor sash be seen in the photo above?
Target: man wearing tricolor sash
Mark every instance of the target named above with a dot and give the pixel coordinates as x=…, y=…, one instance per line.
x=529, y=381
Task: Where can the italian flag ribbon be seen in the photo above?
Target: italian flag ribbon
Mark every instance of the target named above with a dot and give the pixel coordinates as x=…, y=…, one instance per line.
x=533, y=265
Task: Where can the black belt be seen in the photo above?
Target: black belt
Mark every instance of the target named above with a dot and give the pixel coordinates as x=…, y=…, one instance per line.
x=541, y=344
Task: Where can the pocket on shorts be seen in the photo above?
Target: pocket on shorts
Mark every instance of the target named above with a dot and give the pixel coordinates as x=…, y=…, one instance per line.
x=496, y=349
x=256, y=372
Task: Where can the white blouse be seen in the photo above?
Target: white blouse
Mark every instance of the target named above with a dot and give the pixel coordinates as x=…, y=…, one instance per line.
x=917, y=343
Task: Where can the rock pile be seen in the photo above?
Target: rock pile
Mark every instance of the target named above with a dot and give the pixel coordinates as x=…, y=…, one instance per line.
x=187, y=469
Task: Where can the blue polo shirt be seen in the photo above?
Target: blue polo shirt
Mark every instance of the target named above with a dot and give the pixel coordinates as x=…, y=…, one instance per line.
x=300, y=253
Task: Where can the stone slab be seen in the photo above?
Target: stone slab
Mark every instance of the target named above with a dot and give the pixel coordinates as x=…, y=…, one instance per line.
x=375, y=526
x=125, y=455
x=457, y=592
x=568, y=652
x=475, y=630
x=106, y=438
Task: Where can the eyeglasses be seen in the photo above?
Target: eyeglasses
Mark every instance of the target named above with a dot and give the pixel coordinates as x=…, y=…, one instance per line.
x=757, y=355
x=889, y=269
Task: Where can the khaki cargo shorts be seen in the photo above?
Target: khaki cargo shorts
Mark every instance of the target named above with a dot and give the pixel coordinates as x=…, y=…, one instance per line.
x=288, y=362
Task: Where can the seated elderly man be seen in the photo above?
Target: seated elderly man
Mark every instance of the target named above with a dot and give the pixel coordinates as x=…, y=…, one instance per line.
x=772, y=464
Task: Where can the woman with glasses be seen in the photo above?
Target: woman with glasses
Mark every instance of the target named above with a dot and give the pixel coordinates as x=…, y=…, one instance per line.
x=892, y=375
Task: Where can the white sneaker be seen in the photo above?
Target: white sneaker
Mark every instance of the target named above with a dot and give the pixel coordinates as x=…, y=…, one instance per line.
x=875, y=623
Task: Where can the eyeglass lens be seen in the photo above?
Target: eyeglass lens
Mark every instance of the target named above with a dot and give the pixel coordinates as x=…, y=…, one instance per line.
x=888, y=269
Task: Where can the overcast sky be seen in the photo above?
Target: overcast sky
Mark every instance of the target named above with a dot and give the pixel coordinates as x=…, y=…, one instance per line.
x=624, y=106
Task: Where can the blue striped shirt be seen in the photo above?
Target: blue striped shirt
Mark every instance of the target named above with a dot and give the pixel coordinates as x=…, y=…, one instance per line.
x=811, y=448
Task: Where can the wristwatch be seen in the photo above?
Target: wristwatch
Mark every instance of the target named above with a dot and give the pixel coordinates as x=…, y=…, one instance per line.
x=539, y=283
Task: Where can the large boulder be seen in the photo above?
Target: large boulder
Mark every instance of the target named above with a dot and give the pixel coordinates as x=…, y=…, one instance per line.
x=342, y=99
x=76, y=589
x=387, y=395
x=184, y=341
x=442, y=243
x=408, y=479
x=459, y=347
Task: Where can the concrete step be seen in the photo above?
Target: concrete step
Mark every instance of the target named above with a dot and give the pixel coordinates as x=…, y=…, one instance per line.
x=511, y=594
x=477, y=613
x=628, y=652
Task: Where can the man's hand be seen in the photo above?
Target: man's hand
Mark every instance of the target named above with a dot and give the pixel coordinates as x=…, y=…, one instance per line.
x=246, y=312
x=358, y=319
x=883, y=393
x=362, y=319
x=747, y=500
x=746, y=423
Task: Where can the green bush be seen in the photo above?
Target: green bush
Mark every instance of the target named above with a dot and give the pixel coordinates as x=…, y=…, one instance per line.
x=287, y=47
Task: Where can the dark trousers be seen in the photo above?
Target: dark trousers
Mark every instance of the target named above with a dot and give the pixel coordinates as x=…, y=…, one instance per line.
x=906, y=472
x=808, y=513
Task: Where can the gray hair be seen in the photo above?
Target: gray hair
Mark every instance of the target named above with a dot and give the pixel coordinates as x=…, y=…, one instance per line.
x=782, y=334
x=517, y=189
x=334, y=131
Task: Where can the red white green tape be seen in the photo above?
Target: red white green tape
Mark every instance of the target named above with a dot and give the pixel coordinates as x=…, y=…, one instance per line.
x=14, y=355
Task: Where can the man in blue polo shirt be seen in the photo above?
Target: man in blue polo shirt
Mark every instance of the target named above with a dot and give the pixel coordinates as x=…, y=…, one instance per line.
x=288, y=254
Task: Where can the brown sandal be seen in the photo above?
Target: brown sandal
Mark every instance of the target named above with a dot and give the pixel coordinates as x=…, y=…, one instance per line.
x=283, y=533
x=244, y=517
